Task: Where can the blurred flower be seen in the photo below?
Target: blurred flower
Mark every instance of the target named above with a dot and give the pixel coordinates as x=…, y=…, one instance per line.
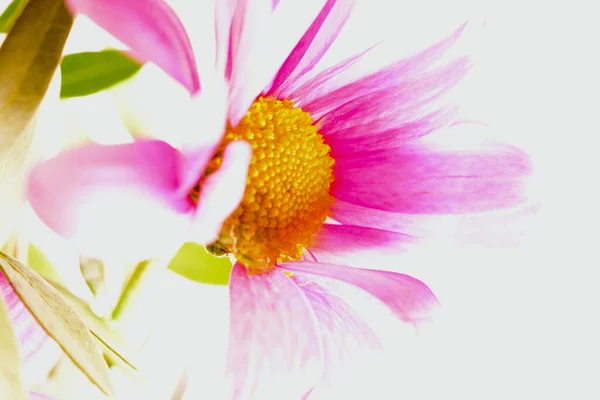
x=298, y=147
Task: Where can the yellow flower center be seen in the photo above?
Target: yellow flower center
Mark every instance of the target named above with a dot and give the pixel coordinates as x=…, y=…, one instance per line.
x=287, y=191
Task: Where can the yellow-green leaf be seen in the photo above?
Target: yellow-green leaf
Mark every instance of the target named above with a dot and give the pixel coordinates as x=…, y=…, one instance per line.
x=195, y=263
x=59, y=320
x=11, y=384
x=38, y=262
x=29, y=57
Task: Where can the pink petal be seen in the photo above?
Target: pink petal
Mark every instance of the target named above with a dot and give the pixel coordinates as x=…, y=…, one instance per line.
x=117, y=201
x=314, y=44
x=343, y=330
x=29, y=333
x=151, y=29
x=357, y=245
x=463, y=175
x=260, y=53
x=339, y=84
x=275, y=351
x=222, y=192
x=409, y=298
x=388, y=117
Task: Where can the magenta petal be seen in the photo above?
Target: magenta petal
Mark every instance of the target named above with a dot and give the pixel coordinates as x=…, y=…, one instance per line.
x=29, y=333
x=409, y=298
x=314, y=44
x=465, y=174
x=116, y=201
x=343, y=330
x=275, y=351
x=151, y=29
x=357, y=245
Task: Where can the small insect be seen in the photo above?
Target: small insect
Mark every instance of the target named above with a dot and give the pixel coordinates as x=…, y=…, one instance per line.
x=217, y=249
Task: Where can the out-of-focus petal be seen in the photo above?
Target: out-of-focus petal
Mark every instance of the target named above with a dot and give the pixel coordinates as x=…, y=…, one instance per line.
x=29, y=333
x=275, y=351
x=222, y=192
x=409, y=298
x=39, y=396
x=267, y=39
x=112, y=201
x=456, y=172
x=151, y=29
x=357, y=245
x=344, y=332
x=314, y=44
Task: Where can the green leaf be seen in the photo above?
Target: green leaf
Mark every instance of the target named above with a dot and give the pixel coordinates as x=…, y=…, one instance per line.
x=29, y=57
x=90, y=72
x=11, y=384
x=10, y=15
x=59, y=320
x=195, y=263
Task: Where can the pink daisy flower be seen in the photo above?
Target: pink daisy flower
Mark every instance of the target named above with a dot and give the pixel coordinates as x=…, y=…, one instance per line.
x=289, y=148
x=32, y=338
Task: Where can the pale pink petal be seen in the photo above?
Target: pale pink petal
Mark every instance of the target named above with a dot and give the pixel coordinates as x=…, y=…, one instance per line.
x=456, y=173
x=151, y=29
x=343, y=331
x=313, y=45
x=409, y=298
x=358, y=246
x=340, y=83
x=275, y=351
x=229, y=18
x=29, y=333
x=39, y=396
x=222, y=192
x=260, y=52
x=388, y=117
x=412, y=225
x=503, y=228
x=118, y=201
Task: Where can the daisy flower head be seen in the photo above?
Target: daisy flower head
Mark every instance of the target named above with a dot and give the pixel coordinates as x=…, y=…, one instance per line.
x=299, y=172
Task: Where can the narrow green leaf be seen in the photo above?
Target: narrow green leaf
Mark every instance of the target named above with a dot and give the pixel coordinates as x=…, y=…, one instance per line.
x=90, y=72
x=59, y=320
x=110, y=340
x=29, y=57
x=195, y=263
x=10, y=14
x=11, y=384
